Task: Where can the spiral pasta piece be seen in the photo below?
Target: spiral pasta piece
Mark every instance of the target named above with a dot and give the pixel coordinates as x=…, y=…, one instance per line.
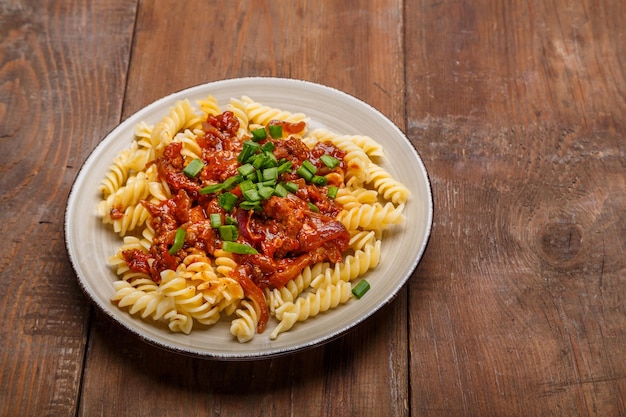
x=387, y=186
x=372, y=216
x=261, y=114
x=209, y=106
x=356, y=158
x=181, y=116
x=291, y=290
x=244, y=327
x=350, y=198
x=311, y=305
x=352, y=267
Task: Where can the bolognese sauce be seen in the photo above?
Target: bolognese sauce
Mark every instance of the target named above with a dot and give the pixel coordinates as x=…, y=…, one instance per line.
x=266, y=198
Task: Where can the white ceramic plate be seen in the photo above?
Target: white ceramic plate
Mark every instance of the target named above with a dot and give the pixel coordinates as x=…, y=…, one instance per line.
x=89, y=243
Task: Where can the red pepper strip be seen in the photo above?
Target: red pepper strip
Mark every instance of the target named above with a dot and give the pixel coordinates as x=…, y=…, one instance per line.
x=255, y=294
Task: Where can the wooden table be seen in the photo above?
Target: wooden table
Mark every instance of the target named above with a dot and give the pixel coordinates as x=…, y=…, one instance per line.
x=518, y=109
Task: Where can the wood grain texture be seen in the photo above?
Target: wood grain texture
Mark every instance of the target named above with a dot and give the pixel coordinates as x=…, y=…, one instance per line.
x=60, y=87
x=364, y=373
x=518, y=110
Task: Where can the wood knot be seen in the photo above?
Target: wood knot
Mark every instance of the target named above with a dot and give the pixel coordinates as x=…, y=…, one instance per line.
x=561, y=241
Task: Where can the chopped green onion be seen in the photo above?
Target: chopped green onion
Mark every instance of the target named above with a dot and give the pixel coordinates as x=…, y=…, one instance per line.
x=313, y=207
x=332, y=191
x=228, y=232
x=259, y=161
x=179, y=241
x=361, y=288
x=213, y=188
x=239, y=248
x=304, y=173
x=231, y=220
x=284, y=167
x=249, y=149
x=319, y=180
x=330, y=161
x=252, y=195
x=266, y=192
x=280, y=190
x=309, y=166
x=232, y=181
x=276, y=131
x=250, y=205
x=291, y=186
x=270, y=160
x=270, y=174
x=247, y=185
x=227, y=201
x=216, y=220
x=246, y=169
x=193, y=168
x=268, y=147
x=259, y=134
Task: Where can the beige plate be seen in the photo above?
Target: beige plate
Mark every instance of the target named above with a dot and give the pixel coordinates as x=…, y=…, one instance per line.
x=89, y=243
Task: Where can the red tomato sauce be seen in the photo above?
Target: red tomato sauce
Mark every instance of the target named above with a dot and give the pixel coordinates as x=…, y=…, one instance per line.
x=287, y=234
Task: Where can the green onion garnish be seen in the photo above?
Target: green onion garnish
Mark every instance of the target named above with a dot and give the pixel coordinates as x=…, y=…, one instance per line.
x=179, y=240
x=216, y=220
x=304, y=173
x=330, y=161
x=249, y=149
x=309, y=166
x=245, y=169
x=259, y=134
x=228, y=232
x=361, y=288
x=227, y=201
x=213, y=188
x=239, y=248
x=280, y=190
x=332, y=191
x=313, y=207
x=193, y=168
x=319, y=180
x=276, y=131
x=291, y=186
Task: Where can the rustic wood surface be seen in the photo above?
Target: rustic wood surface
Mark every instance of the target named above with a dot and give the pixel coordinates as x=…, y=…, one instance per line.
x=518, y=109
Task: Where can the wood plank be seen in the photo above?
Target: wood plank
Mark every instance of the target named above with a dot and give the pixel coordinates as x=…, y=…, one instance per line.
x=61, y=86
x=180, y=44
x=518, y=110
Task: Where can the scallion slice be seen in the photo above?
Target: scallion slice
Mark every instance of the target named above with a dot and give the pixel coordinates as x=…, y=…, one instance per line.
x=227, y=201
x=179, y=241
x=319, y=180
x=216, y=220
x=330, y=161
x=291, y=186
x=249, y=149
x=193, y=168
x=259, y=134
x=361, y=288
x=276, y=131
x=213, y=188
x=228, y=232
x=313, y=207
x=332, y=191
x=240, y=248
x=304, y=173
x=309, y=166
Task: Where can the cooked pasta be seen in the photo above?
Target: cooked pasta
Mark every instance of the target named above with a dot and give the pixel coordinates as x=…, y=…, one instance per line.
x=285, y=250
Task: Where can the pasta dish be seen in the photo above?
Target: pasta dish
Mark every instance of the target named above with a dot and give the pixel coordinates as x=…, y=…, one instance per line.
x=244, y=213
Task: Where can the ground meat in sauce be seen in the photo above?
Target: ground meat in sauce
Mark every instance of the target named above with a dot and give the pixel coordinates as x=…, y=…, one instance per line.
x=287, y=234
